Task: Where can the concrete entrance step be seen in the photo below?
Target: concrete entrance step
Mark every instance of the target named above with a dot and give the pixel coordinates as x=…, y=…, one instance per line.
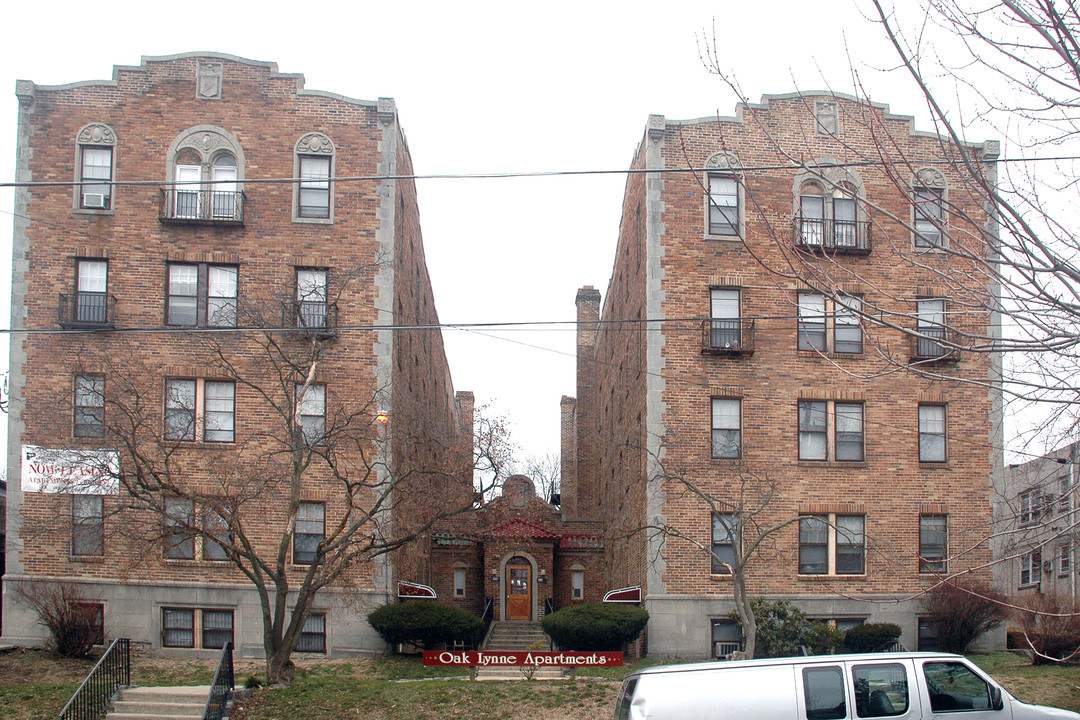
x=160, y=703
x=520, y=673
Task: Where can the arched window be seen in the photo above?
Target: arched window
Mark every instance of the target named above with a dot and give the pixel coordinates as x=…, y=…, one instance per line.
x=95, y=165
x=313, y=195
x=723, y=204
x=205, y=167
x=812, y=214
x=928, y=199
x=828, y=215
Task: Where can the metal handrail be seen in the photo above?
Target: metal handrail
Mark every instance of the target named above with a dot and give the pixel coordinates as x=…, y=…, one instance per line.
x=221, y=687
x=93, y=697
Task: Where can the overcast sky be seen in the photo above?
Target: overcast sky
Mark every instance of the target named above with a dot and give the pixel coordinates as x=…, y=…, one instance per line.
x=485, y=88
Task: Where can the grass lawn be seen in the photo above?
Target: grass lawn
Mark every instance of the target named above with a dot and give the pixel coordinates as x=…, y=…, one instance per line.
x=36, y=685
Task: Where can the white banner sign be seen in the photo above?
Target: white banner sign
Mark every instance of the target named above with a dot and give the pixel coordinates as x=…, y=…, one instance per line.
x=83, y=472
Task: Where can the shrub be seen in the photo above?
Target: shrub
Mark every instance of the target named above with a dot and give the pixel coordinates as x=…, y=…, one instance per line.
x=825, y=639
x=595, y=626
x=63, y=609
x=1050, y=627
x=782, y=628
x=871, y=637
x=961, y=612
x=423, y=624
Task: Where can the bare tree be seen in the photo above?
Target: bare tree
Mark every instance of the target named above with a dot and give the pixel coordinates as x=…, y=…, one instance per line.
x=383, y=481
x=545, y=472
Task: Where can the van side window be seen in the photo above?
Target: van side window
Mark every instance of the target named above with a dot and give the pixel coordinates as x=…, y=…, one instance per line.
x=954, y=687
x=880, y=690
x=823, y=689
x=622, y=708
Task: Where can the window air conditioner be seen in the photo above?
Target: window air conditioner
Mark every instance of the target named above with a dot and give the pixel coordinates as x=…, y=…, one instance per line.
x=93, y=200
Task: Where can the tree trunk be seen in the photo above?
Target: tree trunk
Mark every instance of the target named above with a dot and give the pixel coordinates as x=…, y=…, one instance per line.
x=744, y=611
x=280, y=669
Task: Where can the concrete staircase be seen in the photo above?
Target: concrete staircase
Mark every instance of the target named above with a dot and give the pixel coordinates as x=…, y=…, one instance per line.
x=160, y=703
x=516, y=636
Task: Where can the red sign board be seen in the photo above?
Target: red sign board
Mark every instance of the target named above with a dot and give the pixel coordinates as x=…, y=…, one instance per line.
x=477, y=658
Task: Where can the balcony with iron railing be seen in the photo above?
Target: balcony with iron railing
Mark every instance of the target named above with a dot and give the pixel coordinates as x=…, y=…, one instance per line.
x=843, y=237
x=727, y=337
x=86, y=310
x=934, y=345
x=312, y=319
x=200, y=207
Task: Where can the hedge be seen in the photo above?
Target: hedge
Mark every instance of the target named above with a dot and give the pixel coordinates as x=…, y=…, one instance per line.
x=423, y=624
x=595, y=626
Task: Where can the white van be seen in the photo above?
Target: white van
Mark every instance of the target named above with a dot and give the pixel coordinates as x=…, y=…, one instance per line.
x=824, y=687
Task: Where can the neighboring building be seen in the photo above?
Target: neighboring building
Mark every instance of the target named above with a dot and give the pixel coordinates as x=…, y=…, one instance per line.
x=158, y=210
x=779, y=326
x=1035, y=516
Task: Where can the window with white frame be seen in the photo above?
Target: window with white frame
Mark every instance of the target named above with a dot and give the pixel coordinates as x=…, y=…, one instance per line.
x=313, y=195
x=206, y=169
x=929, y=216
x=932, y=433
x=91, y=292
x=577, y=584
x=723, y=205
x=725, y=330
x=89, y=406
x=87, y=525
x=95, y=166
x=1031, y=568
x=831, y=430
x=1064, y=558
x=311, y=297
x=200, y=410
x=459, y=580
x=201, y=295
x=179, y=530
x=1031, y=506
x=832, y=544
x=1064, y=503
x=931, y=325
x=311, y=401
x=933, y=543
x=310, y=531
x=725, y=533
x=726, y=427
x=313, y=634
x=828, y=324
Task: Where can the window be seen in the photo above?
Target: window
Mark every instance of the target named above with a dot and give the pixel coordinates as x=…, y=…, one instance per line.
x=310, y=531
x=726, y=427
x=205, y=168
x=930, y=324
x=223, y=173
x=845, y=229
x=311, y=298
x=725, y=533
x=187, y=198
x=726, y=323
x=845, y=421
x=933, y=543
x=1064, y=494
x=313, y=635
x=812, y=207
x=928, y=216
x=1030, y=506
x=201, y=295
x=212, y=401
x=577, y=584
x=91, y=292
x=726, y=638
x=459, y=582
x=723, y=205
x=928, y=635
x=830, y=324
x=828, y=219
x=832, y=545
x=87, y=525
x=178, y=627
x=312, y=404
x=1031, y=568
x=823, y=693
x=95, y=164
x=179, y=538
x=92, y=615
x=89, y=406
x=1064, y=559
x=881, y=690
x=313, y=200
x=932, y=433
x=955, y=686
x=217, y=536
x=217, y=628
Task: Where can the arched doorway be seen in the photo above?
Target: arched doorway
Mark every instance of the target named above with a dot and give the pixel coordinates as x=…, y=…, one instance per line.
x=519, y=599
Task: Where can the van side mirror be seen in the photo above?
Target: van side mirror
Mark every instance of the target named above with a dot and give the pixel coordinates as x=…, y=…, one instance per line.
x=995, y=698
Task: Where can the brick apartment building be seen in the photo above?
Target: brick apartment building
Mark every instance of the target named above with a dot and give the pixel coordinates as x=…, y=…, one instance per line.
x=786, y=332
x=160, y=249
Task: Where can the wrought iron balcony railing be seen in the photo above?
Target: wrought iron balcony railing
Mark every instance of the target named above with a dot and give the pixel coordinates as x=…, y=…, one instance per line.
x=727, y=337
x=934, y=344
x=315, y=319
x=86, y=310
x=830, y=235
x=177, y=206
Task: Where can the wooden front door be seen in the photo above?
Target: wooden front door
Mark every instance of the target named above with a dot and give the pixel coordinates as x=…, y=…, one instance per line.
x=518, y=590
